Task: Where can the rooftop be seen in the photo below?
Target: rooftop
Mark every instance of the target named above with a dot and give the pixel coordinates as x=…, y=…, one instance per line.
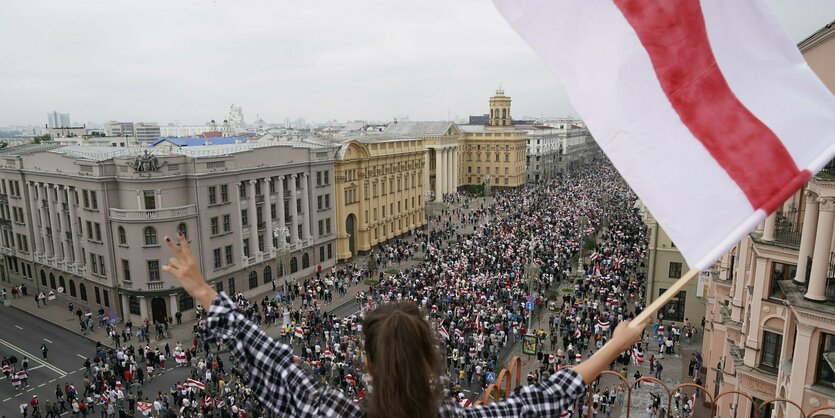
x=195, y=141
x=421, y=129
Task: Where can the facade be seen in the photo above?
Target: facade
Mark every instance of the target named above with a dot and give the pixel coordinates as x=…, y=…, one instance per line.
x=114, y=128
x=380, y=189
x=544, y=153
x=67, y=132
x=494, y=153
x=92, y=220
x=771, y=306
x=664, y=266
x=146, y=132
x=57, y=120
x=442, y=141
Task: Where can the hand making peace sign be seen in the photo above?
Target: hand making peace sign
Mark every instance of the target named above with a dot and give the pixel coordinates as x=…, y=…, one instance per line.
x=185, y=269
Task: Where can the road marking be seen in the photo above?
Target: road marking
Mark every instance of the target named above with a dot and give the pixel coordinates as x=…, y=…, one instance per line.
x=52, y=380
x=42, y=384
x=79, y=355
x=47, y=341
x=36, y=367
x=7, y=399
x=18, y=327
x=30, y=389
x=33, y=357
x=81, y=369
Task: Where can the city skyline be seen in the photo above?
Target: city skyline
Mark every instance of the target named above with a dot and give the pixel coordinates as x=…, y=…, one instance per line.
x=372, y=60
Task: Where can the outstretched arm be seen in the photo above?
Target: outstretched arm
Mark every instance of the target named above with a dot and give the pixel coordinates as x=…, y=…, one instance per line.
x=268, y=364
x=623, y=338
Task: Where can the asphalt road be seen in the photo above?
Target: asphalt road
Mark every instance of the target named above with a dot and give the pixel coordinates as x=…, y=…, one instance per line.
x=22, y=334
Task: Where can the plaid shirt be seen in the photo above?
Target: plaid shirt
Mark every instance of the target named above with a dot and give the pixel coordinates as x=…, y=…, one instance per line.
x=288, y=391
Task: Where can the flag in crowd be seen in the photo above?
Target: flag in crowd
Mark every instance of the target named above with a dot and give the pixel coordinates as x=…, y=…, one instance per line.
x=670, y=100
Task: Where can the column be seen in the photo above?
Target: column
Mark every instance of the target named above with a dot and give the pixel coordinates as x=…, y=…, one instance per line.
x=143, y=308
x=252, y=215
x=821, y=254
x=455, y=169
x=807, y=236
x=74, y=228
x=449, y=171
x=43, y=192
x=426, y=185
x=57, y=251
x=294, y=229
x=174, y=306
x=280, y=208
x=33, y=213
x=770, y=230
x=268, y=215
x=439, y=168
x=62, y=195
x=800, y=363
x=306, y=207
x=240, y=218
x=125, y=307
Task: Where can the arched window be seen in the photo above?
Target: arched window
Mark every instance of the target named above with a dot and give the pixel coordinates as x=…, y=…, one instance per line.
x=305, y=261
x=504, y=113
x=294, y=265
x=268, y=274
x=52, y=281
x=253, y=279
x=72, y=288
x=61, y=283
x=183, y=229
x=123, y=238
x=83, y=290
x=150, y=235
x=43, y=278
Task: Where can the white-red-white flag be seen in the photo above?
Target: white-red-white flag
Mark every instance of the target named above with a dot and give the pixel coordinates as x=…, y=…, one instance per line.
x=443, y=332
x=195, y=384
x=706, y=107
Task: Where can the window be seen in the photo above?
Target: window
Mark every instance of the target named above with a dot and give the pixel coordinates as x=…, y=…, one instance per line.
x=94, y=264
x=106, y=295
x=228, y=253
x=330, y=251
x=675, y=270
x=318, y=178
x=101, y=265
x=268, y=274
x=94, y=200
x=327, y=177
x=216, y=253
x=231, y=283
x=89, y=230
x=272, y=211
x=674, y=309
x=226, y=223
x=224, y=193
x=149, y=199
x=97, y=292
x=298, y=206
x=242, y=189
x=305, y=260
x=212, y=195
x=150, y=235
x=321, y=254
x=153, y=270
x=219, y=286
x=246, y=247
x=83, y=290
x=86, y=197
x=133, y=302
x=72, y=288
x=294, y=265
x=244, y=217
x=126, y=270
x=214, y=225
x=253, y=280
x=825, y=374
x=327, y=201
x=98, y=231
x=772, y=344
x=186, y=302
x=183, y=229
x=321, y=227
x=123, y=238
x=779, y=272
x=319, y=201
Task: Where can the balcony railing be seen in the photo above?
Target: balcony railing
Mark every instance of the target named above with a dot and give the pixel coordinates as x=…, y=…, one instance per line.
x=155, y=285
x=828, y=171
x=787, y=231
x=153, y=215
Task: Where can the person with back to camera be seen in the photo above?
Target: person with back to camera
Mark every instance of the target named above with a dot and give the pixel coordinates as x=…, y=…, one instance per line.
x=401, y=356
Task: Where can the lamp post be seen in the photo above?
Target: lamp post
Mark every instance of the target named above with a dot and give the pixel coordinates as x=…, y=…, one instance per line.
x=487, y=185
x=582, y=225
x=530, y=275
x=281, y=233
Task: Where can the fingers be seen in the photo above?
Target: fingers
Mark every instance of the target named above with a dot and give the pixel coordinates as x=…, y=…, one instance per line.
x=174, y=248
x=184, y=243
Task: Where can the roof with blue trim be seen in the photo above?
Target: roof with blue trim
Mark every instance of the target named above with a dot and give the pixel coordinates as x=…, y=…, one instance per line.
x=191, y=142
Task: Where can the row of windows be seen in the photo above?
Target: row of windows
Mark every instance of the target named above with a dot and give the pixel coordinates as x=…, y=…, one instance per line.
x=102, y=296
x=325, y=253
x=219, y=261
x=476, y=180
x=149, y=233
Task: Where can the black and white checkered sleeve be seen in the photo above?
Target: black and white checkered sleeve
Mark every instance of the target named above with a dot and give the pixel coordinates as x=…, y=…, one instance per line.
x=269, y=368
x=544, y=399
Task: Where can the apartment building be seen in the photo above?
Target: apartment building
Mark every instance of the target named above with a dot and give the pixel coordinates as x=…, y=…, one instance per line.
x=91, y=220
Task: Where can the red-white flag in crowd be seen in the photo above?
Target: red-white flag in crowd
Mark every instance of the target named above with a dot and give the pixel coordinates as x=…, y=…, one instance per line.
x=706, y=108
x=619, y=261
x=195, y=384
x=637, y=356
x=145, y=407
x=298, y=331
x=443, y=332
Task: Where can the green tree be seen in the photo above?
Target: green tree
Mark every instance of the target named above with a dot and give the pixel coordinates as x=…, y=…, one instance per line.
x=4, y=144
x=41, y=138
x=372, y=264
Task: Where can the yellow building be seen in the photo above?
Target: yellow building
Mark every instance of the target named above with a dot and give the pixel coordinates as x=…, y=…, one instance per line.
x=494, y=153
x=379, y=190
x=441, y=140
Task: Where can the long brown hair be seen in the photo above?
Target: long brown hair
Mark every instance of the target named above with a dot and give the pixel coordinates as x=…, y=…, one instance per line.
x=405, y=363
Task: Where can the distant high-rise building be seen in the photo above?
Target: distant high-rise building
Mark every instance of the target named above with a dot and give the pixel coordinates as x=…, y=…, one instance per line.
x=146, y=131
x=119, y=128
x=57, y=120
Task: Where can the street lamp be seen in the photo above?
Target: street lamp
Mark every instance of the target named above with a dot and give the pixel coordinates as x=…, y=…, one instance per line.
x=531, y=272
x=281, y=233
x=582, y=220
x=487, y=185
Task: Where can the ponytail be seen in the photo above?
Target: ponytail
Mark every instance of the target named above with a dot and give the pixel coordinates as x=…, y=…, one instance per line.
x=404, y=361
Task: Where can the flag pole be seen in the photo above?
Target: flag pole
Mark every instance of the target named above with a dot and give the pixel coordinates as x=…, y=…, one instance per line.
x=664, y=298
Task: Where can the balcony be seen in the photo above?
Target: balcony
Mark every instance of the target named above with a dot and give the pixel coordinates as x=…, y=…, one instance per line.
x=153, y=215
x=155, y=285
x=787, y=231
x=8, y=251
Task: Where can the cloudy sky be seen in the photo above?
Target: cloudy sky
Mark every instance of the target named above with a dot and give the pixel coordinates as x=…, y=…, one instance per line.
x=188, y=60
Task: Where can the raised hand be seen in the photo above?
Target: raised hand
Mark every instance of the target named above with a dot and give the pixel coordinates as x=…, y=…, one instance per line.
x=183, y=266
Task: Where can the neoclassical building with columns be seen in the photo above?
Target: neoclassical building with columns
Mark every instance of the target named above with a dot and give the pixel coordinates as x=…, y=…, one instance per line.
x=770, y=320
x=442, y=140
x=380, y=188
x=91, y=220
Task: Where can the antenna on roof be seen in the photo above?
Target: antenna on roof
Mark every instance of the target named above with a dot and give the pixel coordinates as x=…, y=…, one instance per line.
x=500, y=90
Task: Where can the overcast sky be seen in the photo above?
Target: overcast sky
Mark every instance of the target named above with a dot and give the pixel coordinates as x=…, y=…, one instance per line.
x=188, y=60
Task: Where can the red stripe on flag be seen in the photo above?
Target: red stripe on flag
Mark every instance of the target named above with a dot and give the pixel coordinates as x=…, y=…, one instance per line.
x=674, y=34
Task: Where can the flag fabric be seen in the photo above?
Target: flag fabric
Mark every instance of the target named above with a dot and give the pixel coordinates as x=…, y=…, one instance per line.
x=144, y=407
x=195, y=384
x=465, y=402
x=299, y=332
x=603, y=324
x=594, y=256
x=459, y=332
x=706, y=108
x=619, y=261
x=443, y=332
x=637, y=356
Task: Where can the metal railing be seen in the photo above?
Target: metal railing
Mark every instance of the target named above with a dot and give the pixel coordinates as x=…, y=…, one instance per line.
x=153, y=215
x=787, y=231
x=509, y=378
x=155, y=285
